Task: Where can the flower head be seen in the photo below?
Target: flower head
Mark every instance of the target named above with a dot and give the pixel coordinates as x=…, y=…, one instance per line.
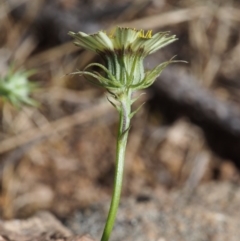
x=124, y=51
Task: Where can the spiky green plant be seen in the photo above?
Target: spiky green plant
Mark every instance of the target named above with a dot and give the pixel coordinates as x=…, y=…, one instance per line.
x=16, y=88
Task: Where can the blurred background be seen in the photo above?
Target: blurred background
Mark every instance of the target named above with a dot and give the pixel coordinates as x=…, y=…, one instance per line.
x=59, y=155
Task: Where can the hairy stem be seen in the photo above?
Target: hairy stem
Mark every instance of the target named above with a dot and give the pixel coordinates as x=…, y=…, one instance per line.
x=124, y=124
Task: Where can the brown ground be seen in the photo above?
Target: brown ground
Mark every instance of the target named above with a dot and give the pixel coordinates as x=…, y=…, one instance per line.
x=60, y=157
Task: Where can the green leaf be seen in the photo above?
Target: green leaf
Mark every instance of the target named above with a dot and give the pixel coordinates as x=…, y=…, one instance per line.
x=135, y=99
x=134, y=112
x=114, y=105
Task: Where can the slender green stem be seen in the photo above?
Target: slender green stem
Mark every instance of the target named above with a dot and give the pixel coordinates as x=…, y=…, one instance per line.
x=124, y=124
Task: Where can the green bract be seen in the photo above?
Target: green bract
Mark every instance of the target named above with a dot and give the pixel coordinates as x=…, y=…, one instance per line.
x=123, y=51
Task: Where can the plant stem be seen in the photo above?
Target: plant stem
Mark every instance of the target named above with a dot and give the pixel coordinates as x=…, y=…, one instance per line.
x=124, y=124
